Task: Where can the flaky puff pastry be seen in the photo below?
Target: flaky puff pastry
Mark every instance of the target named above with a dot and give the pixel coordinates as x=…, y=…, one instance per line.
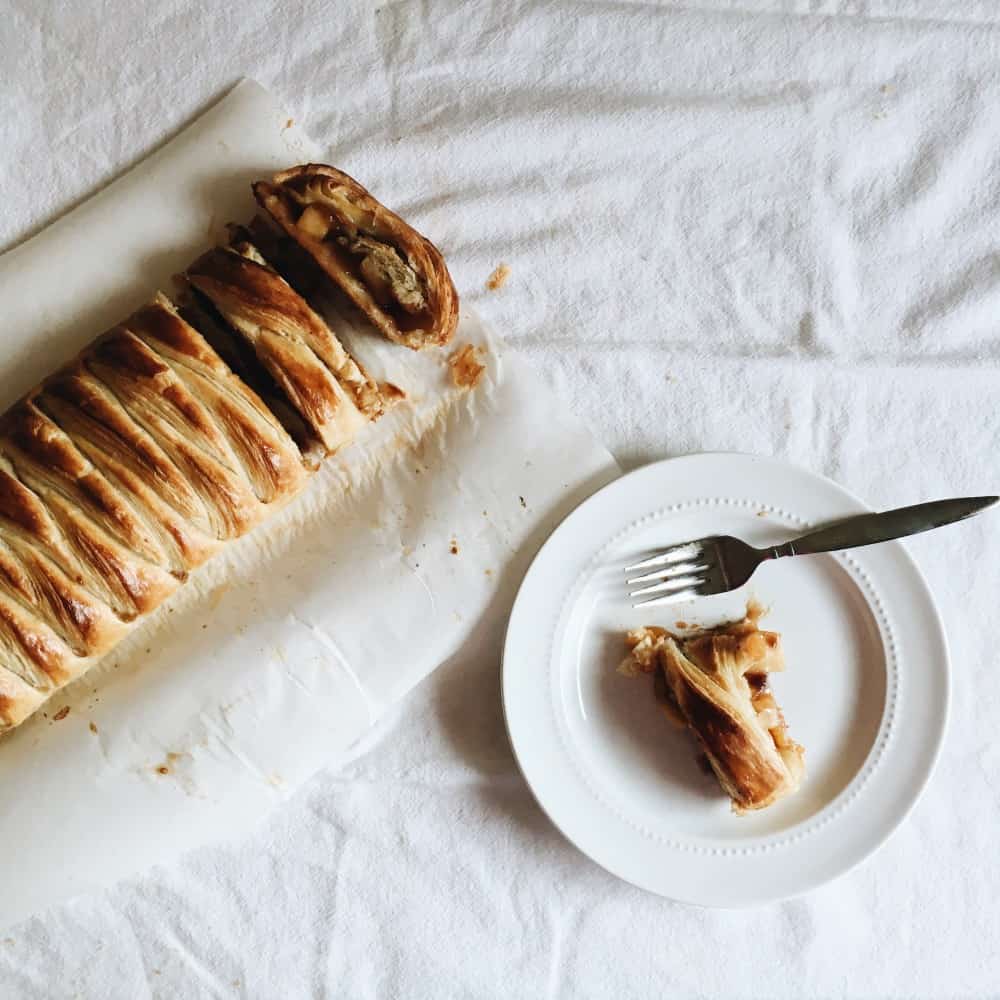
x=717, y=682
x=395, y=276
x=324, y=384
x=118, y=475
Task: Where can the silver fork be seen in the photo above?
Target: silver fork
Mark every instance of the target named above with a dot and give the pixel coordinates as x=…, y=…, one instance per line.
x=719, y=563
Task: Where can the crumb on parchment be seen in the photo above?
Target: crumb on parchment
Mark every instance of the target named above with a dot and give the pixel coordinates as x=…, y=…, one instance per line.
x=453, y=547
x=93, y=728
x=61, y=714
x=498, y=278
x=167, y=766
x=466, y=371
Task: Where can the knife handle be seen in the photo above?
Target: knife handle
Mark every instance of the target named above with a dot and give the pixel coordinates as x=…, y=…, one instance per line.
x=867, y=529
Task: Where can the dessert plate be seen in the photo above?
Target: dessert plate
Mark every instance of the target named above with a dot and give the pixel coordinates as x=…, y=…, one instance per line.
x=865, y=688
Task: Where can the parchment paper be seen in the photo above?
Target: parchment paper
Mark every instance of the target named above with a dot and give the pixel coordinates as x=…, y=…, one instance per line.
x=281, y=651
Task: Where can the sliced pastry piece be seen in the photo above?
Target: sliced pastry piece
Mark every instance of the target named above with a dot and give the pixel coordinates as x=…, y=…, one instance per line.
x=261, y=445
x=293, y=263
x=717, y=682
x=315, y=332
x=239, y=356
x=395, y=276
x=296, y=347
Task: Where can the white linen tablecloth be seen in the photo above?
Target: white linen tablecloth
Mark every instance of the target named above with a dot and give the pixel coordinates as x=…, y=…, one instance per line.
x=761, y=226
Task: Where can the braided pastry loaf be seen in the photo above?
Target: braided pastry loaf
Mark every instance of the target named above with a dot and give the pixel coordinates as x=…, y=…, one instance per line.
x=169, y=435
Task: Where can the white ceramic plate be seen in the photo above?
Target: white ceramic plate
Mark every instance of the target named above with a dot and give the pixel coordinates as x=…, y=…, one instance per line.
x=865, y=688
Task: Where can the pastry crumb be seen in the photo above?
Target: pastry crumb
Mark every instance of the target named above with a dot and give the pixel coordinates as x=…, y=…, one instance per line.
x=290, y=123
x=167, y=766
x=762, y=513
x=466, y=371
x=391, y=393
x=93, y=728
x=498, y=278
x=453, y=547
x=61, y=714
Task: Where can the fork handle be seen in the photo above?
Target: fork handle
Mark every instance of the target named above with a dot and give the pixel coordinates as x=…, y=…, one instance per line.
x=867, y=529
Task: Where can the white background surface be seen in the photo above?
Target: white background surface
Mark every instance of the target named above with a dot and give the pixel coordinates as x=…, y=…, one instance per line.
x=765, y=227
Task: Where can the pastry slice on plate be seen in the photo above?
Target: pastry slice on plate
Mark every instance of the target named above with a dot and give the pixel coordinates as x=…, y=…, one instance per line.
x=716, y=682
x=395, y=276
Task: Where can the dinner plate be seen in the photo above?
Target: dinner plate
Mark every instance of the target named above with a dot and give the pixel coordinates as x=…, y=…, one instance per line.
x=865, y=689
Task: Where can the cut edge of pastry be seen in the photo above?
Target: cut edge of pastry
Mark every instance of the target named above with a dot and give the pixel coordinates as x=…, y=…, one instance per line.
x=323, y=341
x=395, y=276
x=198, y=311
x=262, y=309
x=716, y=682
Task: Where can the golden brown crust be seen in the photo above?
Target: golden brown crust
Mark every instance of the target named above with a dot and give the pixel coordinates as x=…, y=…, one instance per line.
x=395, y=276
x=106, y=544
x=18, y=698
x=292, y=343
x=263, y=448
x=131, y=458
x=466, y=369
x=132, y=464
x=118, y=475
x=303, y=322
x=159, y=402
x=717, y=680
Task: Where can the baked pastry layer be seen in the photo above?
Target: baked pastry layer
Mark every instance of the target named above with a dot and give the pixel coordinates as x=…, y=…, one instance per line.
x=716, y=681
x=118, y=475
x=395, y=276
x=183, y=428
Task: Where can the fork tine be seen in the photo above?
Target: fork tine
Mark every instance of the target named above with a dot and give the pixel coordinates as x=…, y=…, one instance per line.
x=682, y=595
x=676, y=553
x=678, y=569
x=669, y=586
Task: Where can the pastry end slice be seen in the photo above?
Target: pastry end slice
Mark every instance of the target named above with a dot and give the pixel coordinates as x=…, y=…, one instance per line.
x=717, y=682
x=395, y=276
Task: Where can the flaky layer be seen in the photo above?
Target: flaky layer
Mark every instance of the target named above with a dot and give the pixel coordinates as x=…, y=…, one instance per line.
x=290, y=340
x=177, y=431
x=395, y=276
x=118, y=475
x=717, y=680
